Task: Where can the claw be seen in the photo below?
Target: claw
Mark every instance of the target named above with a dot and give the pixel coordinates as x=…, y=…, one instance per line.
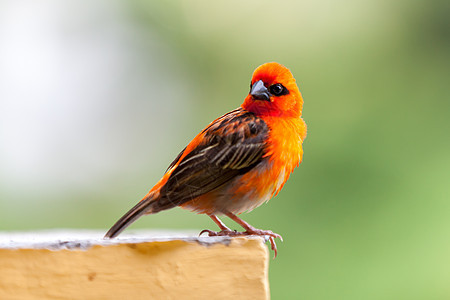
x=273, y=246
x=210, y=232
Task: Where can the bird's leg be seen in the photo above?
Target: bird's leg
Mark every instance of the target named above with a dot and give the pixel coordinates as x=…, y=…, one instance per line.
x=250, y=230
x=224, y=230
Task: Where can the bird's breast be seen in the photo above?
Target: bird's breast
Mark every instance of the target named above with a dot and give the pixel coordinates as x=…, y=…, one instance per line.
x=284, y=145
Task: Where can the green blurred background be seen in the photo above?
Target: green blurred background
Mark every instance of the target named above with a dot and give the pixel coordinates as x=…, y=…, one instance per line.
x=97, y=98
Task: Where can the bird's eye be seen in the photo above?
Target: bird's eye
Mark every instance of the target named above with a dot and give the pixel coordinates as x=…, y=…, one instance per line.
x=278, y=89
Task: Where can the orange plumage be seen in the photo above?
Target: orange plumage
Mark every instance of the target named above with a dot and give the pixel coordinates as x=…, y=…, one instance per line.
x=237, y=162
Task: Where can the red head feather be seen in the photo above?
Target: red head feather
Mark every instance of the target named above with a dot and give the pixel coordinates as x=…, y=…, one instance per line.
x=288, y=102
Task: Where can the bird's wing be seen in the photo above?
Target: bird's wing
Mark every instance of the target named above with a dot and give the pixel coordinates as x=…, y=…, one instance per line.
x=230, y=146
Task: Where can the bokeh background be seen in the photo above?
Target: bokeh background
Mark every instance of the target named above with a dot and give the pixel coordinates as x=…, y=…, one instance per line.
x=98, y=97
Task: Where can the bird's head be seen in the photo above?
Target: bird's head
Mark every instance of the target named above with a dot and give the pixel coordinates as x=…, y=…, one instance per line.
x=273, y=92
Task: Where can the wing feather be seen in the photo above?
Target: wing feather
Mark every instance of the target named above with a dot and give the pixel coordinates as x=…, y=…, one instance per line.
x=232, y=145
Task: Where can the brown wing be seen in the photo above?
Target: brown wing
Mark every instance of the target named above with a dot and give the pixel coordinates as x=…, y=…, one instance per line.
x=232, y=145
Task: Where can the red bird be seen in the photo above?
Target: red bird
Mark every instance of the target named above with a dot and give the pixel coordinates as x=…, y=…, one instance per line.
x=237, y=162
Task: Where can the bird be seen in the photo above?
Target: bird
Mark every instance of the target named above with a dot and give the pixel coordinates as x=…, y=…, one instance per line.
x=238, y=162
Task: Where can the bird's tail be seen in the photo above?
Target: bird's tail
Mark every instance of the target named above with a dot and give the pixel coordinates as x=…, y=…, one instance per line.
x=145, y=206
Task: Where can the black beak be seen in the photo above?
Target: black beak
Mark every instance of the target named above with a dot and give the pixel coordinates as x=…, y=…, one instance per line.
x=259, y=91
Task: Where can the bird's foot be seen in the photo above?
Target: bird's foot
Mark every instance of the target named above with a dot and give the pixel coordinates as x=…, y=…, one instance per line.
x=252, y=231
x=270, y=233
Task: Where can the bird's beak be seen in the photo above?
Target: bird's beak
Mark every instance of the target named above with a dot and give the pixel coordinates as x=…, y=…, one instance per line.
x=259, y=91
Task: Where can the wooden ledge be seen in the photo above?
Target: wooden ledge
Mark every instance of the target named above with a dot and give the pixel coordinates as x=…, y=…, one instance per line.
x=141, y=265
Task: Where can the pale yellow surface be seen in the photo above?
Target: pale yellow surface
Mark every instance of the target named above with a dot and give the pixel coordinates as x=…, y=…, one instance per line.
x=174, y=269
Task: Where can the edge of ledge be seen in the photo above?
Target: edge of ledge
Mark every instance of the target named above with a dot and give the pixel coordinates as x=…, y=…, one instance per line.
x=71, y=239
